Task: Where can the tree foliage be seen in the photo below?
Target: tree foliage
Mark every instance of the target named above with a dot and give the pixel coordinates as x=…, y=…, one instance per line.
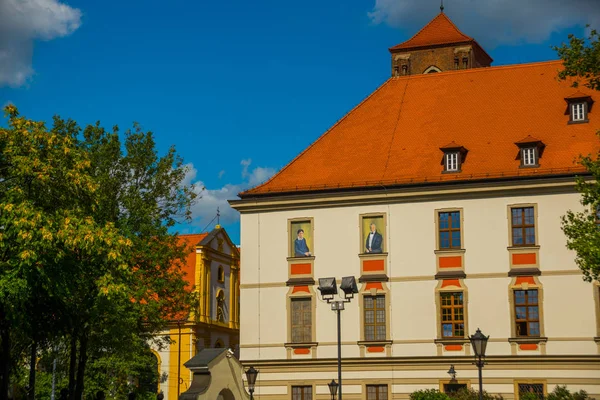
x=87, y=261
x=581, y=59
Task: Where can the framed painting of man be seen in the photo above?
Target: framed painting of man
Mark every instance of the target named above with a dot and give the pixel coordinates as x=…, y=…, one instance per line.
x=373, y=234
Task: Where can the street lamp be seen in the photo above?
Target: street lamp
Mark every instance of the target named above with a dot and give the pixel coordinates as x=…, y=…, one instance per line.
x=333, y=388
x=479, y=343
x=328, y=289
x=452, y=373
x=251, y=374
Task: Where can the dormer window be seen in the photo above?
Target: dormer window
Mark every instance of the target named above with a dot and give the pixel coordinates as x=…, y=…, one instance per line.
x=579, y=105
x=454, y=157
x=530, y=151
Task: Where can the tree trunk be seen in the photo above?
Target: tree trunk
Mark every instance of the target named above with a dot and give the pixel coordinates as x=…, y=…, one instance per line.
x=83, y=341
x=72, y=364
x=32, y=365
x=4, y=355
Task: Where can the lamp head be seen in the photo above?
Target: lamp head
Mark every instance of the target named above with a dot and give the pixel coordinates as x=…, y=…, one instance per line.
x=327, y=287
x=479, y=343
x=452, y=373
x=333, y=387
x=251, y=374
x=349, y=286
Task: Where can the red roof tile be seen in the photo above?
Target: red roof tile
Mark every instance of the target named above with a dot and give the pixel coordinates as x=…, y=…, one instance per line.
x=394, y=135
x=439, y=30
x=190, y=262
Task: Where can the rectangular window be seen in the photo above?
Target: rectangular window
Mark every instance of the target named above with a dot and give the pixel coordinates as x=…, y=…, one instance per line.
x=449, y=229
x=452, y=161
x=377, y=392
x=527, y=315
x=453, y=316
x=302, y=393
x=374, y=317
x=523, y=226
x=535, y=388
x=598, y=216
x=529, y=156
x=301, y=320
x=450, y=388
x=578, y=111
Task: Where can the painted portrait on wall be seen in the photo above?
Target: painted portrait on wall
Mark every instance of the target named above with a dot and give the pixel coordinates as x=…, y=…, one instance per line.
x=301, y=240
x=373, y=234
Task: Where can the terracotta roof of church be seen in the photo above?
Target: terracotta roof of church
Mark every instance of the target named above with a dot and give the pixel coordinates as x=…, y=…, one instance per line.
x=393, y=137
x=439, y=30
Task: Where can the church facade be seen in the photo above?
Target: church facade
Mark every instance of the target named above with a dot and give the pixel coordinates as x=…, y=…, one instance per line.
x=442, y=194
x=212, y=269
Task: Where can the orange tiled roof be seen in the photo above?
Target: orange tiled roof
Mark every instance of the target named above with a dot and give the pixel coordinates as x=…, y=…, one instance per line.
x=439, y=30
x=394, y=136
x=189, y=268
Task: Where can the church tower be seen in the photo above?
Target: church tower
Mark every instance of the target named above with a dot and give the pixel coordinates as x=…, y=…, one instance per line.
x=438, y=46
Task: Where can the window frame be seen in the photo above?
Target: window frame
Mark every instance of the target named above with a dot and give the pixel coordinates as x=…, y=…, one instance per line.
x=523, y=226
x=534, y=153
x=452, y=307
x=298, y=299
x=377, y=387
x=527, y=305
x=375, y=309
x=303, y=389
x=220, y=274
x=573, y=113
x=452, y=161
x=449, y=229
x=517, y=383
x=383, y=233
x=530, y=282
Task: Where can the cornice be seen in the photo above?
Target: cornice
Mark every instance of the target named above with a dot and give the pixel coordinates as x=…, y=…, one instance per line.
x=406, y=194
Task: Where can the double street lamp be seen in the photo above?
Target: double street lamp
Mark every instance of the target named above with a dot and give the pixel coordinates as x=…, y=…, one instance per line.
x=479, y=344
x=328, y=289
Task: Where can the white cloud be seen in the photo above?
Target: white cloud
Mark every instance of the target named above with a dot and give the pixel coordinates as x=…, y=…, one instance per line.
x=493, y=22
x=205, y=209
x=22, y=22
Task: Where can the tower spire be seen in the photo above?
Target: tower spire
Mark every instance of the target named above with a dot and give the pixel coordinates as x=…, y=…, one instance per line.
x=442, y=6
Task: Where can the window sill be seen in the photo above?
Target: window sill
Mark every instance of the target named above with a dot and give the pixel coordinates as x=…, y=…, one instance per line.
x=458, y=171
x=597, y=339
x=374, y=342
x=529, y=166
x=310, y=258
x=522, y=271
x=583, y=121
x=455, y=274
x=446, y=251
x=300, y=282
x=528, y=339
x=372, y=255
x=301, y=345
x=451, y=341
x=527, y=247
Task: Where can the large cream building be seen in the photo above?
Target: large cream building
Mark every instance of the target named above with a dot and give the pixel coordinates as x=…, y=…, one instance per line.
x=442, y=193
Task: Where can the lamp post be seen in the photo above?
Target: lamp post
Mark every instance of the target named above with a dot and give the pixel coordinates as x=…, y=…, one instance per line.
x=479, y=343
x=333, y=388
x=328, y=289
x=251, y=374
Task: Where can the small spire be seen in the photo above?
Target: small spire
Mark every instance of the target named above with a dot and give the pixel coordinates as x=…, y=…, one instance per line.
x=218, y=217
x=442, y=6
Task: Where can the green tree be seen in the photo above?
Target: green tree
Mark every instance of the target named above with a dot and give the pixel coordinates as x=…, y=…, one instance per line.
x=562, y=393
x=581, y=59
x=41, y=226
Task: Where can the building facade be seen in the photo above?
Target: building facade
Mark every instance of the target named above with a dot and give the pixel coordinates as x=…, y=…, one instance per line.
x=212, y=269
x=443, y=195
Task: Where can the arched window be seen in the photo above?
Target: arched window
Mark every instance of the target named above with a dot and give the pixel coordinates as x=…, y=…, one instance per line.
x=221, y=306
x=432, y=69
x=221, y=274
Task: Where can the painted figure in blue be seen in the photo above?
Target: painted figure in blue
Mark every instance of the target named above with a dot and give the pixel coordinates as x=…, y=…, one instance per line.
x=300, y=247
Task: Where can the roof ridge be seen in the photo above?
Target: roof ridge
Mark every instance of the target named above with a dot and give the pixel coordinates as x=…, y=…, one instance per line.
x=320, y=137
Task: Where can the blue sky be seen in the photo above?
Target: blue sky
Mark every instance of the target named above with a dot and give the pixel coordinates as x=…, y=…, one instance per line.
x=239, y=87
